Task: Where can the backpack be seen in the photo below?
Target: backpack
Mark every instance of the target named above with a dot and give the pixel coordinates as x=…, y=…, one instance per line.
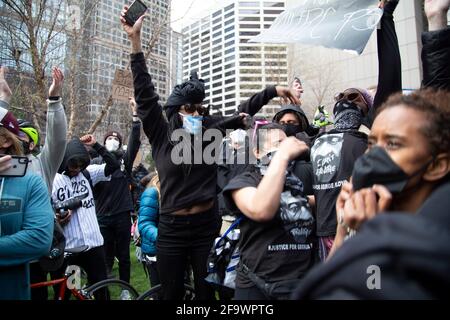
x=55, y=257
x=224, y=258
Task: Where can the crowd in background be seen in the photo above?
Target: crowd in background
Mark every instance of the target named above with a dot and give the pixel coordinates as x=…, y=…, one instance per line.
x=317, y=202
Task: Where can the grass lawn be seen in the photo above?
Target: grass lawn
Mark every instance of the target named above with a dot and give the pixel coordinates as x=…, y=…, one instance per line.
x=139, y=280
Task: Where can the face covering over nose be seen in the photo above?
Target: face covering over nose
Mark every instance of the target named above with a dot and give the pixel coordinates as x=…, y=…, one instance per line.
x=292, y=129
x=264, y=162
x=192, y=124
x=112, y=145
x=347, y=116
x=377, y=167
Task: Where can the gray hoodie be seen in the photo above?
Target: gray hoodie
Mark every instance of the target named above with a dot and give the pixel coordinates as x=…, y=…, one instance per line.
x=46, y=164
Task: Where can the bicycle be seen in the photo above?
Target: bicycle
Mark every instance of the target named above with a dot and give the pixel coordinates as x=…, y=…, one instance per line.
x=154, y=293
x=113, y=287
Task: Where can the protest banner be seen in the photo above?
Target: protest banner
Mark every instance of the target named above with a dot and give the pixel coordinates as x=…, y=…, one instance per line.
x=345, y=25
x=122, y=85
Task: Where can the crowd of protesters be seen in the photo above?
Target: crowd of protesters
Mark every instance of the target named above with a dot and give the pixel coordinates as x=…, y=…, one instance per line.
x=309, y=196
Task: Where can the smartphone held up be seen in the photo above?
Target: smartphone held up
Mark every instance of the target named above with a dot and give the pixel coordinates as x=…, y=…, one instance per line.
x=18, y=167
x=135, y=11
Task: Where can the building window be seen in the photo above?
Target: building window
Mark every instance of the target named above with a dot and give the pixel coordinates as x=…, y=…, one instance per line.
x=249, y=4
x=273, y=11
x=274, y=4
x=249, y=11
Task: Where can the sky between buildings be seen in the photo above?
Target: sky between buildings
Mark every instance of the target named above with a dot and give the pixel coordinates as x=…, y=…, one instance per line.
x=185, y=12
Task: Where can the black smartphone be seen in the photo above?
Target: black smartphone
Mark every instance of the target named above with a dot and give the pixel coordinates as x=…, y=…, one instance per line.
x=18, y=167
x=135, y=11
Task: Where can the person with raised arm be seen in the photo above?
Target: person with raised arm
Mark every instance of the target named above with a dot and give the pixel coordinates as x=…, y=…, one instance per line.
x=188, y=221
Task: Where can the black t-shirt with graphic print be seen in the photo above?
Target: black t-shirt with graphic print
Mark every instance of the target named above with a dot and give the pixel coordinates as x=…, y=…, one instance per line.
x=333, y=156
x=281, y=249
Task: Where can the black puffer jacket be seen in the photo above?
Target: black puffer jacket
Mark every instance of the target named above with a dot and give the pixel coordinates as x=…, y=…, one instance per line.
x=435, y=59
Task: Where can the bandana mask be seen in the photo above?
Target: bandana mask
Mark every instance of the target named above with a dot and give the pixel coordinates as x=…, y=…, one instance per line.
x=347, y=116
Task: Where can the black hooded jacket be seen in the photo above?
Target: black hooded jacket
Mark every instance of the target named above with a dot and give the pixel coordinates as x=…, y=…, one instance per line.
x=114, y=197
x=182, y=186
x=435, y=58
x=76, y=149
x=411, y=252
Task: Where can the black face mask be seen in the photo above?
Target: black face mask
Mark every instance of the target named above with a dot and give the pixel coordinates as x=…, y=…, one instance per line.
x=291, y=129
x=377, y=167
x=347, y=116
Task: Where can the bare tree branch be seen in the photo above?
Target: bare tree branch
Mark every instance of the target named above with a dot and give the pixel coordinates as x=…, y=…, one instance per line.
x=150, y=45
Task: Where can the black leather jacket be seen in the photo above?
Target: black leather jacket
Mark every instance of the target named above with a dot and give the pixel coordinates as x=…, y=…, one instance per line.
x=435, y=59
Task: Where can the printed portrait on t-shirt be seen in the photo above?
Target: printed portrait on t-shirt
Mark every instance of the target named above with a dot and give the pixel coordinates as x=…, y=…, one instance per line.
x=326, y=156
x=296, y=216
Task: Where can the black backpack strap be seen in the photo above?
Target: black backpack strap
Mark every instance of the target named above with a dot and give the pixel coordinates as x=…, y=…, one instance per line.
x=87, y=175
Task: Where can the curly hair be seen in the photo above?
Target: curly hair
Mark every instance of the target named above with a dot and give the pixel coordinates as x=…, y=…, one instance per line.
x=435, y=106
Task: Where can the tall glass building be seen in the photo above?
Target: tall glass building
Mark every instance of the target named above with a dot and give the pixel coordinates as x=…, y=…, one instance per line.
x=217, y=47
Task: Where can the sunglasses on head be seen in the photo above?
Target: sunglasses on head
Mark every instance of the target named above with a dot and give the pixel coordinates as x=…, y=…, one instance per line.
x=349, y=95
x=192, y=108
x=258, y=124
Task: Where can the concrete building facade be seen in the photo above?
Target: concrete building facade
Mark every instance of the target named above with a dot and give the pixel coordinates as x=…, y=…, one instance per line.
x=328, y=71
x=217, y=47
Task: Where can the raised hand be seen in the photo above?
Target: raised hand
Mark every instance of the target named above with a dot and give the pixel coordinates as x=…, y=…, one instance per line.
x=57, y=84
x=298, y=89
x=5, y=91
x=132, y=31
x=88, y=140
x=288, y=95
x=132, y=104
x=245, y=119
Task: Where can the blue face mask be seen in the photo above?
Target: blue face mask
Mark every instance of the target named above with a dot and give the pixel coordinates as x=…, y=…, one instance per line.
x=192, y=124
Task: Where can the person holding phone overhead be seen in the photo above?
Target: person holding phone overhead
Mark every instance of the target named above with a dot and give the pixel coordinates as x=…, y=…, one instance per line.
x=135, y=11
x=189, y=222
x=26, y=216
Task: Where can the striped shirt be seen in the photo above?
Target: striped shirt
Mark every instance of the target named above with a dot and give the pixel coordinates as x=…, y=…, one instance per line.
x=82, y=229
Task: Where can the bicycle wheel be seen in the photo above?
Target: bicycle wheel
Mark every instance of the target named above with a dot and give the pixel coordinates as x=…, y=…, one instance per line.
x=111, y=289
x=155, y=293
